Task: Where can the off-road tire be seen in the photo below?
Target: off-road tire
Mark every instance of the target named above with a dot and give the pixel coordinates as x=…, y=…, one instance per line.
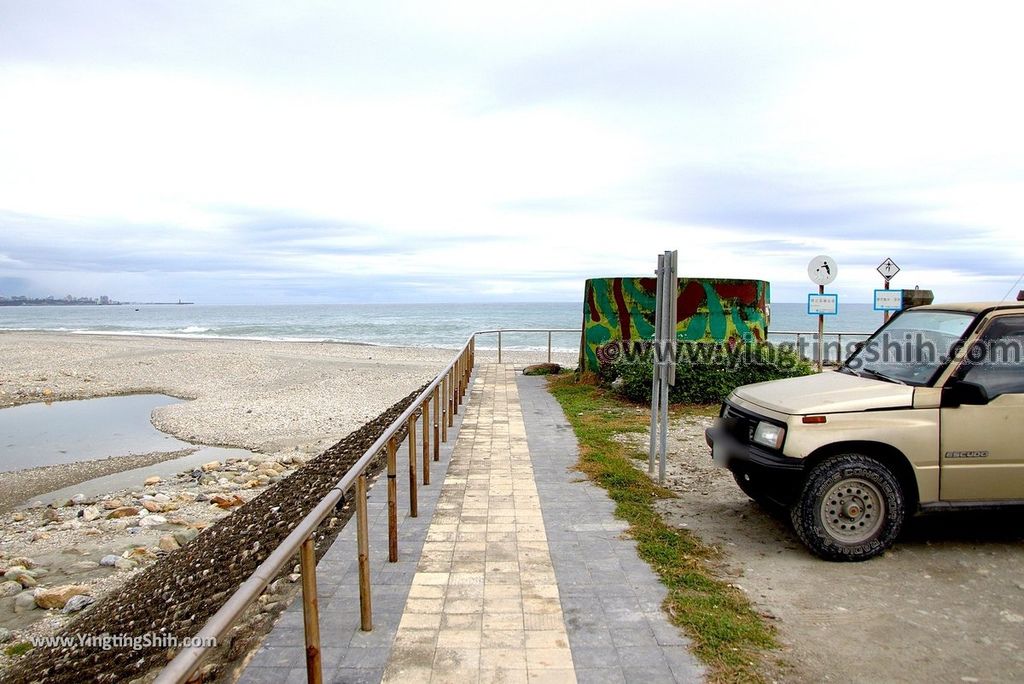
x=853, y=483
x=758, y=492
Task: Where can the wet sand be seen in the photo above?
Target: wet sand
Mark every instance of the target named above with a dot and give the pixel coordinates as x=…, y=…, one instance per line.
x=269, y=397
x=24, y=485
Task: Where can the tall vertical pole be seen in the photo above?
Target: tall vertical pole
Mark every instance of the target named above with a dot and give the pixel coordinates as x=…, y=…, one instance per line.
x=444, y=409
x=669, y=365
x=549, y=346
x=655, y=385
x=451, y=398
x=885, y=314
x=499, y=346
x=426, y=441
x=363, y=542
x=413, y=497
x=458, y=383
x=437, y=423
x=310, y=612
x=668, y=371
x=821, y=334
x=392, y=501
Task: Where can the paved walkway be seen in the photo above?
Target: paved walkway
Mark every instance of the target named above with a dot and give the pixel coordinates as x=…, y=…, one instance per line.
x=610, y=598
x=484, y=603
x=515, y=571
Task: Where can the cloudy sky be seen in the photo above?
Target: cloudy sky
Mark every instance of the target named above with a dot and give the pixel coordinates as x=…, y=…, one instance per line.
x=427, y=151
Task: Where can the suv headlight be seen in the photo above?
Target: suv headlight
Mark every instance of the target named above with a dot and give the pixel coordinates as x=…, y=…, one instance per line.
x=769, y=434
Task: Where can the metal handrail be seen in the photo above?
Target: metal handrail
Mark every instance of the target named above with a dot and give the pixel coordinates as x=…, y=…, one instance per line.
x=813, y=334
x=499, y=331
x=452, y=383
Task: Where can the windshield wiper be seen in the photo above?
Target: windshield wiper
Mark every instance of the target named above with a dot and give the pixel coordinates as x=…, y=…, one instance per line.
x=882, y=376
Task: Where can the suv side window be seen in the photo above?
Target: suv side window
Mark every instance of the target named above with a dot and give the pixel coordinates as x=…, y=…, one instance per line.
x=995, y=362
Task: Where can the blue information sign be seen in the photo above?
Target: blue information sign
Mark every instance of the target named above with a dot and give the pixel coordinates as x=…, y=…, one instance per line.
x=822, y=304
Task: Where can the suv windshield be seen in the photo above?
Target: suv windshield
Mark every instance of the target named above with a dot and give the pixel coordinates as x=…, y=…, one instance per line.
x=911, y=347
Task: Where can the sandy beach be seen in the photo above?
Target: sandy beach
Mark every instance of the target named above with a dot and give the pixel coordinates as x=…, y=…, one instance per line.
x=264, y=396
x=274, y=398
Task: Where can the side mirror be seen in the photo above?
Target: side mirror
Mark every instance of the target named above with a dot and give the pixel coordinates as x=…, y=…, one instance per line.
x=960, y=392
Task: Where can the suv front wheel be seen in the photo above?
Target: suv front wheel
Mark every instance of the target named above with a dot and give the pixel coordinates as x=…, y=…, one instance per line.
x=851, y=508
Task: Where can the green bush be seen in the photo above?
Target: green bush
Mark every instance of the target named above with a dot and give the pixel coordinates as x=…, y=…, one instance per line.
x=705, y=372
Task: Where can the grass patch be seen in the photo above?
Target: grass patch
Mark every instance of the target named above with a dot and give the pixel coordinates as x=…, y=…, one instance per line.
x=729, y=636
x=20, y=649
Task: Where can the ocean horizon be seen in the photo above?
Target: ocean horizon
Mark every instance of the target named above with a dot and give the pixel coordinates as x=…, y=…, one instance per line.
x=443, y=326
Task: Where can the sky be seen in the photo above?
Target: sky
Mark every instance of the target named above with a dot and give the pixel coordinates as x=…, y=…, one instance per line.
x=308, y=152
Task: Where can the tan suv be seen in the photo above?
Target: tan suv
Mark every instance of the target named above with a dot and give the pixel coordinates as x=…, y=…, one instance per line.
x=927, y=415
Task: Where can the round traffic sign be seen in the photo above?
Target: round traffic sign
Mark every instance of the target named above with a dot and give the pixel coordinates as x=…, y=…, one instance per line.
x=822, y=270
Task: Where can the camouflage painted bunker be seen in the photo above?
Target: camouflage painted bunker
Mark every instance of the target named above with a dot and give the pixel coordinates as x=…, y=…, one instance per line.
x=708, y=309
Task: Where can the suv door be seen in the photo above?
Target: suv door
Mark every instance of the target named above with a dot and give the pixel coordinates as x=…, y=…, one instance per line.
x=982, y=445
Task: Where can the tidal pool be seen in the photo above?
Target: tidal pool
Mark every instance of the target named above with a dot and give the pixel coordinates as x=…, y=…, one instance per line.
x=44, y=434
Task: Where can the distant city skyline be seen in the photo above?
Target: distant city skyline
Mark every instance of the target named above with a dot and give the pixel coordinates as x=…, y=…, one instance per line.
x=316, y=152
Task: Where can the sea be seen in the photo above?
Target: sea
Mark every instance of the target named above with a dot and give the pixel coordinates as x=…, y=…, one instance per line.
x=443, y=326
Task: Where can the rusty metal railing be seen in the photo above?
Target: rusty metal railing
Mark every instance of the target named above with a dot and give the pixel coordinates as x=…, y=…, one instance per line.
x=437, y=405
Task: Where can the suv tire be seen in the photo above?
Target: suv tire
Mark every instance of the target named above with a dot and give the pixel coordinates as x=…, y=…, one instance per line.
x=851, y=508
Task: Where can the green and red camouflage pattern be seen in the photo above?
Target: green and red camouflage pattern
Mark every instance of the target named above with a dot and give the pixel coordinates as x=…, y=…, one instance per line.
x=708, y=310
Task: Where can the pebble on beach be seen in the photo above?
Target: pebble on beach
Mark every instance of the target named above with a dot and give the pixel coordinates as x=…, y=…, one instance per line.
x=57, y=597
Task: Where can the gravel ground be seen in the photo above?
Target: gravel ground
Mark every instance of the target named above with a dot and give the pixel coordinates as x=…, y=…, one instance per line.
x=178, y=594
x=22, y=485
x=946, y=604
x=265, y=396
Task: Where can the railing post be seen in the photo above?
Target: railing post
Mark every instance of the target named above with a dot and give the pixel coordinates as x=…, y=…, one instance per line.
x=363, y=542
x=549, y=346
x=499, y=346
x=445, y=410
x=437, y=424
x=456, y=387
x=413, y=503
x=392, y=501
x=310, y=611
x=426, y=441
x=451, y=400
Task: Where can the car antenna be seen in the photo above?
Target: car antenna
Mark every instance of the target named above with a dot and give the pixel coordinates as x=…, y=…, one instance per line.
x=1005, y=296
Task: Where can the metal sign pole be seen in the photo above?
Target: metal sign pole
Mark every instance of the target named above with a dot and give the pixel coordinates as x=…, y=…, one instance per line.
x=822, y=270
x=668, y=374
x=821, y=334
x=888, y=270
x=885, y=314
x=655, y=389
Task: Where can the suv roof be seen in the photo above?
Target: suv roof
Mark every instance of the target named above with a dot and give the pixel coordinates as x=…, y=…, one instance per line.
x=972, y=307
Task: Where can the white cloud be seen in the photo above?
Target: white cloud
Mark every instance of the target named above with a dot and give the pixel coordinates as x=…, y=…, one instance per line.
x=511, y=150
